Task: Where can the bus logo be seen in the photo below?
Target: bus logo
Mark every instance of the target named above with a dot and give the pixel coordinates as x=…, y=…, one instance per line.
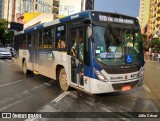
x=116, y=78
x=75, y=16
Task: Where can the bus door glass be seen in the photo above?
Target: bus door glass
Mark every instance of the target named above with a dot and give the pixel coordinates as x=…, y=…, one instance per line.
x=34, y=47
x=76, y=52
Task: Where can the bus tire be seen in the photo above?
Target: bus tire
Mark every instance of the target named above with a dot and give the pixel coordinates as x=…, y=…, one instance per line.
x=25, y=70
x=63, y=82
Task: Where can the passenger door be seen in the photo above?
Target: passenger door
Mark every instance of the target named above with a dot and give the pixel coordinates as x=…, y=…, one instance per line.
x=34, y=48
x=77, y=56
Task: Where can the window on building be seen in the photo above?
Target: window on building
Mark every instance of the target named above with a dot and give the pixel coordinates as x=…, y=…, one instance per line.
x=36, y=6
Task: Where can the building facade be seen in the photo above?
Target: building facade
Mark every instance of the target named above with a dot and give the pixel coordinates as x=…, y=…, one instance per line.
x=44, y=6
x=154, y=19
x=7, y=9
x=15, y=10
x=1, y=2
x=63, y=8
x=68, y=7
x=10, y=8
x=144, y=14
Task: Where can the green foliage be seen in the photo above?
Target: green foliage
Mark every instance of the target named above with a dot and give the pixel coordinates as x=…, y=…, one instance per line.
x=5, y=34
x=144, y=39
x=155, y=44
x=3, y=25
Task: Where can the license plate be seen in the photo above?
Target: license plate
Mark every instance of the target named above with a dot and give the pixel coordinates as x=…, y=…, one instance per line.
x=126, y=88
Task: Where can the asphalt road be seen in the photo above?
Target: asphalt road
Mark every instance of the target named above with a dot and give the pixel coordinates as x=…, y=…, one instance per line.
x=20, y=93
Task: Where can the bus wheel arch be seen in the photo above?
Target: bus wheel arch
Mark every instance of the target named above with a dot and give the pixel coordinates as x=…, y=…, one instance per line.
x=61, y=76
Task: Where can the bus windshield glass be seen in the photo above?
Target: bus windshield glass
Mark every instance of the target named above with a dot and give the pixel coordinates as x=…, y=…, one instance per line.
x=117, y=45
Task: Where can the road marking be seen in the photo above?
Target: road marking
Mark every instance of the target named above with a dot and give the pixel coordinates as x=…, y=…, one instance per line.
x=146, y=88
x=47, y=84
x=37, y=87
x=1, y=61
x=32, y=119
x=55, y=100
x=10, y=105
x=153, y=66
x=10, y=83
x=60, y=97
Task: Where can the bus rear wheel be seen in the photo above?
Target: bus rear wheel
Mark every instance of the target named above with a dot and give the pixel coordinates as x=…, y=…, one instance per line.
x=63, y=80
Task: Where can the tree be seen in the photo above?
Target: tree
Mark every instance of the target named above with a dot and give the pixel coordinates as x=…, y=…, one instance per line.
x=5, y=34
x=155, y=44
x=144, y=38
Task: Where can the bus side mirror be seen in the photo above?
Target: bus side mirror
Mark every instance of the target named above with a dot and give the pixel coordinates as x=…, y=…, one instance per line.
x=87, y=21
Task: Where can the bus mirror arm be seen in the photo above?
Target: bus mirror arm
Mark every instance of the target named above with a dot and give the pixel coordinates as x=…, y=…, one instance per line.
x=87, y=21
x=89, y=32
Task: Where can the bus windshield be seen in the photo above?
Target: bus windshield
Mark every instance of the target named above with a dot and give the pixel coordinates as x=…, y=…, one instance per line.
x=117, y=45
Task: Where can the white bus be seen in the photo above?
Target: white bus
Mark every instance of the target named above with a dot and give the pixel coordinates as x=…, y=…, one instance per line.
x=96, y=52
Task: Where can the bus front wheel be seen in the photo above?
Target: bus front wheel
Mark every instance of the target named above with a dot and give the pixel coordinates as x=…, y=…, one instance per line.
x=63, y=80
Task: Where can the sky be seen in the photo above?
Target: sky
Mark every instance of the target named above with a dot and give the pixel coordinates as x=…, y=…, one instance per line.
x=127, y=7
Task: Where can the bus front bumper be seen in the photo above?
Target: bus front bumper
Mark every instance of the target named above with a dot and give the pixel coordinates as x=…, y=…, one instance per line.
x=98, y=87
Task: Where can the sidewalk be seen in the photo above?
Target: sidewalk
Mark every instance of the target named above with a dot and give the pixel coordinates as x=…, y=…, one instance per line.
x=152, y=58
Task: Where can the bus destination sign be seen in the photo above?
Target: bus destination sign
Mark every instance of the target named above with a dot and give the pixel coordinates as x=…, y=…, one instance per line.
x=116, y=20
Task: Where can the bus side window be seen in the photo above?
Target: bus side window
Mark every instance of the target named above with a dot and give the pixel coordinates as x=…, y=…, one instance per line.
x=73, y=43
x=29, y=41
x=23, y=44
x=52, y=36
x=47, y=40
x=40, y=45
x=60, y=37
x=16, y=43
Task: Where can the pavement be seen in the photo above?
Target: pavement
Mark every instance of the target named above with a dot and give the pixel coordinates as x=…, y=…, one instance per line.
x=151, y=58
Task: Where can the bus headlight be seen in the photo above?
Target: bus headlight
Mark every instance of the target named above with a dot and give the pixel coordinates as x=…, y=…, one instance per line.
x=100, y=76
x=141, y=72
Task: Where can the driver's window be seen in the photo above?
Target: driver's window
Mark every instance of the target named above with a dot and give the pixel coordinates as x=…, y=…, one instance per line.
x=128, y=38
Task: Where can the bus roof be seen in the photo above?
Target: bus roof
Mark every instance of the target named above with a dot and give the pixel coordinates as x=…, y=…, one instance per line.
x=80, y=15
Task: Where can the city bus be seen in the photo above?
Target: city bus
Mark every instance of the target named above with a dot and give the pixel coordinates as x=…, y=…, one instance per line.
x=92, y=51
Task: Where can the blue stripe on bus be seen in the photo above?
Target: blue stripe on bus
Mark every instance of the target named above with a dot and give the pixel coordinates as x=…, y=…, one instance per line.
x=34, y=28
x=85, y=14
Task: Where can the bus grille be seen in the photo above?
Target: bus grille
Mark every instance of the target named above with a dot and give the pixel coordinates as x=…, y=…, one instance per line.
x=121, y=70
